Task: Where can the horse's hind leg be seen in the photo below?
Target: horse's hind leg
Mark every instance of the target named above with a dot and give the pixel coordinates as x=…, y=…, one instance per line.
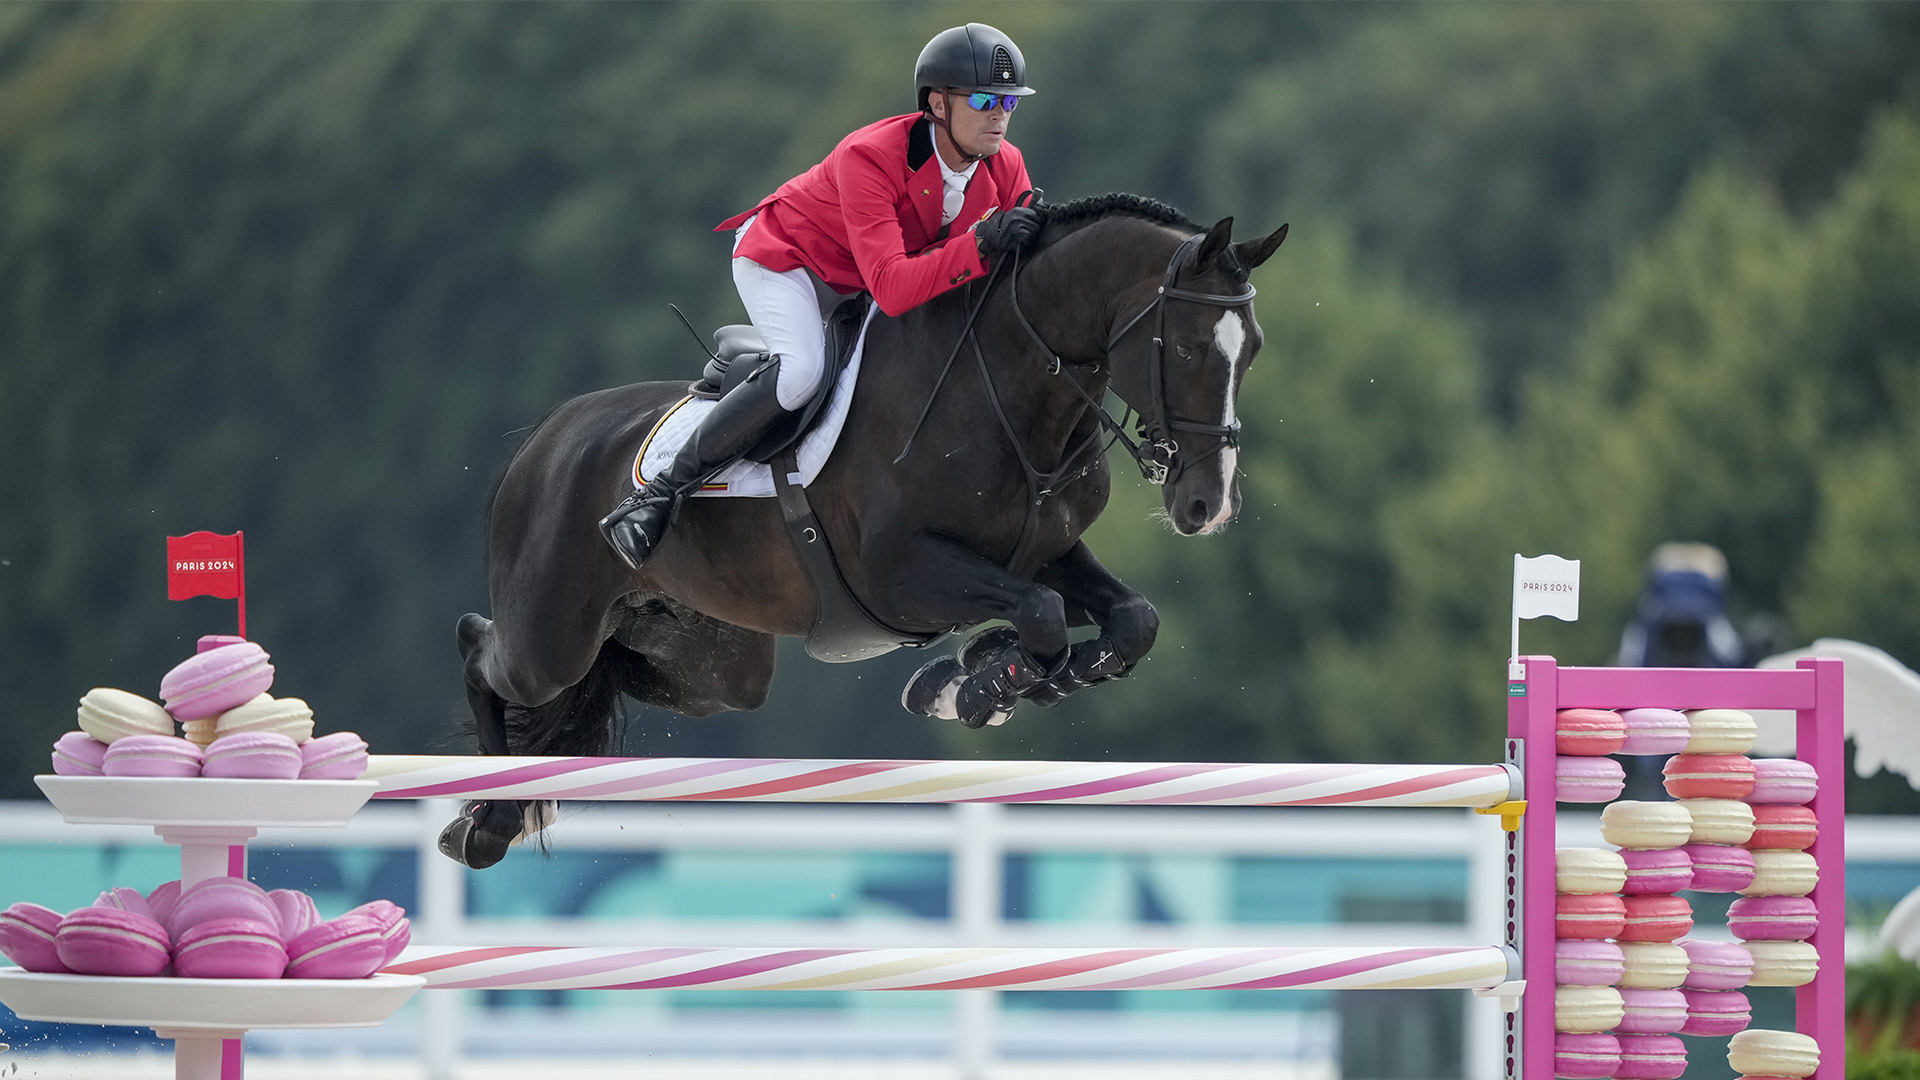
x=480, y=836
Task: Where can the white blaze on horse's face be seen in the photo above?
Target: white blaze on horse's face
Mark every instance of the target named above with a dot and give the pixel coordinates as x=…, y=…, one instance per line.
x=1229, y=337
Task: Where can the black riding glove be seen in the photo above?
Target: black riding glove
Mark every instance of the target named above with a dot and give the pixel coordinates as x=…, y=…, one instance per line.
x=1008, y=232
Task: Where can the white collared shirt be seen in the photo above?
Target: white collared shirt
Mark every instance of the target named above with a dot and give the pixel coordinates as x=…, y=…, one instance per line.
x=955, y=193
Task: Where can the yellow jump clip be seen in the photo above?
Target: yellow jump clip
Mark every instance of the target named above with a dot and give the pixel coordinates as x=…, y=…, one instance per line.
x=1510, y=813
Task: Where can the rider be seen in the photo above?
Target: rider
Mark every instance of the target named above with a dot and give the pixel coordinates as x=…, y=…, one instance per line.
x=905, y=209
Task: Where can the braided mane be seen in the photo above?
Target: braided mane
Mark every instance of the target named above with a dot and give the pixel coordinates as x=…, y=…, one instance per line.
x=1094, y=207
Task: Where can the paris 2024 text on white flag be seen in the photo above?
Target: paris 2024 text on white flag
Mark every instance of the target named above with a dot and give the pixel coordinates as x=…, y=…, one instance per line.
x=1543, y=585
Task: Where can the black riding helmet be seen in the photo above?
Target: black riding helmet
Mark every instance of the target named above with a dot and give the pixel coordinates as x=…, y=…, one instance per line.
x=971, y=57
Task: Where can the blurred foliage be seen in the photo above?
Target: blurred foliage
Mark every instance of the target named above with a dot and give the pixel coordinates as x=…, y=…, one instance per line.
x=1571, y=278
x=1883, y=1007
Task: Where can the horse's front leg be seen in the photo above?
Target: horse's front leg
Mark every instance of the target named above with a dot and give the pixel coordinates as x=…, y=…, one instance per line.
x=943, y=582
x=1128, y=624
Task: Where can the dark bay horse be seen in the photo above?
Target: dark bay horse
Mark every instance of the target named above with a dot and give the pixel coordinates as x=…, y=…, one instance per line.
x=970, y=464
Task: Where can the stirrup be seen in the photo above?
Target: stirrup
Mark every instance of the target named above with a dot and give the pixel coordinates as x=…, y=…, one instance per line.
x=621, y=531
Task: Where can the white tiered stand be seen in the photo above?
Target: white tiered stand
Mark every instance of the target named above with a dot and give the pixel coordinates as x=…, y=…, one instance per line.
x=211, y=820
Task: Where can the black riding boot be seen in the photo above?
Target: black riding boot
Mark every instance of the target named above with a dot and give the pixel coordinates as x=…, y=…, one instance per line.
x=735, y=424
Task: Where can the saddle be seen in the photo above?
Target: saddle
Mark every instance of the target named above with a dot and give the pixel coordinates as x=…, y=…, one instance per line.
x=739, y=351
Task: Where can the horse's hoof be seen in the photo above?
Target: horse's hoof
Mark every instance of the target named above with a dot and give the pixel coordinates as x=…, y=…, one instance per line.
x=468, y=841
x=933, y=689
x=986, y=646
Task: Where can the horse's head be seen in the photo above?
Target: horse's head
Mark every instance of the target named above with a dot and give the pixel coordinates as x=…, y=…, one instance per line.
x=1178, y=353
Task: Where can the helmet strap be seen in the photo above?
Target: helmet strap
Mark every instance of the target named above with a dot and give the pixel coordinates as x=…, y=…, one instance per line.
x=941, y=122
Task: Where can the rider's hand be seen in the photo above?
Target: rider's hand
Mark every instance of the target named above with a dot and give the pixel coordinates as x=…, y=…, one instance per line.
x=1009, y=231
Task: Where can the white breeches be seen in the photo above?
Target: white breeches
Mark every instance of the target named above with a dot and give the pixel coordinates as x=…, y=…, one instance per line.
x=789, y=311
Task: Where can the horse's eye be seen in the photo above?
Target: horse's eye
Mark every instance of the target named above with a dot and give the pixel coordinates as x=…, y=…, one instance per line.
x=1184, y=352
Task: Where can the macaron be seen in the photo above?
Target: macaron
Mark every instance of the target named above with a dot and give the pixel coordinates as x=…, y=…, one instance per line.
x=1588, y=917
x=1592, y=1056
x=1652, y=965
x=79, y=754
x=1720, y=731
x=1656, y=918
x=1784, y=828
x=1587, y=779
x=296, y=910
x=1716, y=1012
x=200, y=732
x=1783, y=782
x=1719, y=821
x=126, y=900
x=161, y=900
x=1660, y=870
x=111, y=715
x=151, y=755
x=1655, y=731
x=281, y=716
x=214, y=641
x=1645, y=825
x=1782, y=873
x=396, y=930
x=349, y=947
x=1651, y=1057
x=1717, y=965
x=1757, y=1052
x=339, y=756
x=1773, y=918
x=1588, y=732
x=1652, y=1012
x=1783, y=963
x=1720, y=867
x=210, y=683
x=1587, y=963
x=259, y=755
x=1708, y=776
x=1588, y=870
x=221, y=898
x=27, y=938
x=109, y=941
x=1582, y=1010
x=230, y=949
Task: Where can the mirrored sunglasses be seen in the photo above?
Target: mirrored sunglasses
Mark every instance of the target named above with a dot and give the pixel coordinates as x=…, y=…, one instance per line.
x=982, y=102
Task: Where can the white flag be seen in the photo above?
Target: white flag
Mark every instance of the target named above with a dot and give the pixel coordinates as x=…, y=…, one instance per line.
x=1547, y=585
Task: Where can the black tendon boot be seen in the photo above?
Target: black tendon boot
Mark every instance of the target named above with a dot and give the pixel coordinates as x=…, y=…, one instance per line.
x=735, y=424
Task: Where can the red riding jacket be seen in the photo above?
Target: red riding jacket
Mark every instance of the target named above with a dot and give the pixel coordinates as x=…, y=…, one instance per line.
x=868, y=217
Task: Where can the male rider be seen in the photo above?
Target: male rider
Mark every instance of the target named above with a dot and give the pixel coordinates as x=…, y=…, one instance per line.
x=904, y=209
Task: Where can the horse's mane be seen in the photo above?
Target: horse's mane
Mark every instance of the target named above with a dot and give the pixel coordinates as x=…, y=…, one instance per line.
x=1072, y=215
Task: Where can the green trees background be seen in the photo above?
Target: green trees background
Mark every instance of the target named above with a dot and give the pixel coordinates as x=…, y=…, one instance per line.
x=1562, y=278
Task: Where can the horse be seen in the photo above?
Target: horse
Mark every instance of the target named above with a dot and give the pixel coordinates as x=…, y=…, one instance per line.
x=956, y=496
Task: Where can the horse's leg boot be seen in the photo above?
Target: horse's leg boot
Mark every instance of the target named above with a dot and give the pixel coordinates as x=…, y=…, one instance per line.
x=1092, y=661
x=736, y=422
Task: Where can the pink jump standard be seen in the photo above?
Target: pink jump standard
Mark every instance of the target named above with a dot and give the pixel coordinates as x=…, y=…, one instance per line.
x=1537, y=689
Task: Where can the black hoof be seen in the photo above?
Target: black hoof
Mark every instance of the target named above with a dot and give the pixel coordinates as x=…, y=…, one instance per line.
x=931, y=690
x=481, y=835
x=986, y=646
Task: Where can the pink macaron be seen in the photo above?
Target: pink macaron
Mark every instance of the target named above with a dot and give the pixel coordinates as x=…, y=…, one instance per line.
x=221, y=898
x=257, y=755
x=1783, y=782
x=396, y=930
x=79, y=754
x=109, y=941
x=297, y=912
x=1651, y=1057
x=1708, y=776
x=1656, y=918
x=1655, y=731
x=230, y=949
x=126, y=900
x=1772, y=918
x=339, y=756
x=1653, y=1012
x=349, y=947
x=1716, y=1012
x=1717, y=965
x=1587, y=963
x=1587, y=779
x=1657, y=871
x=27, y=938
x=1720, y=867
x=1787, y=828
x=1588, y=732
x=151, y=755
x=1588, y=916
x=209, y=683
x=1585, y=1057
x=161, y=900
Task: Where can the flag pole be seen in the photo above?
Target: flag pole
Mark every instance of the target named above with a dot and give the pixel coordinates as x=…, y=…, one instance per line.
x=240, y=560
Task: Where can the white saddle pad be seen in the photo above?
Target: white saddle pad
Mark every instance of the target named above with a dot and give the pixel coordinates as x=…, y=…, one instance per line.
x=752, y=478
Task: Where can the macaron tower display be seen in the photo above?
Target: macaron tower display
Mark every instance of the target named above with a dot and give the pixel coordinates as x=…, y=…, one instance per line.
x=1629, y=979
x=233, y=728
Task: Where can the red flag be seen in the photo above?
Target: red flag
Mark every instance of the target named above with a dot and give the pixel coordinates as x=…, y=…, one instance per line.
x=208, y=564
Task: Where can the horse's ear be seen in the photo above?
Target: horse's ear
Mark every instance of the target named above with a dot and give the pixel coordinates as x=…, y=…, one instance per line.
x=1215, y=243
x=1254, y=252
